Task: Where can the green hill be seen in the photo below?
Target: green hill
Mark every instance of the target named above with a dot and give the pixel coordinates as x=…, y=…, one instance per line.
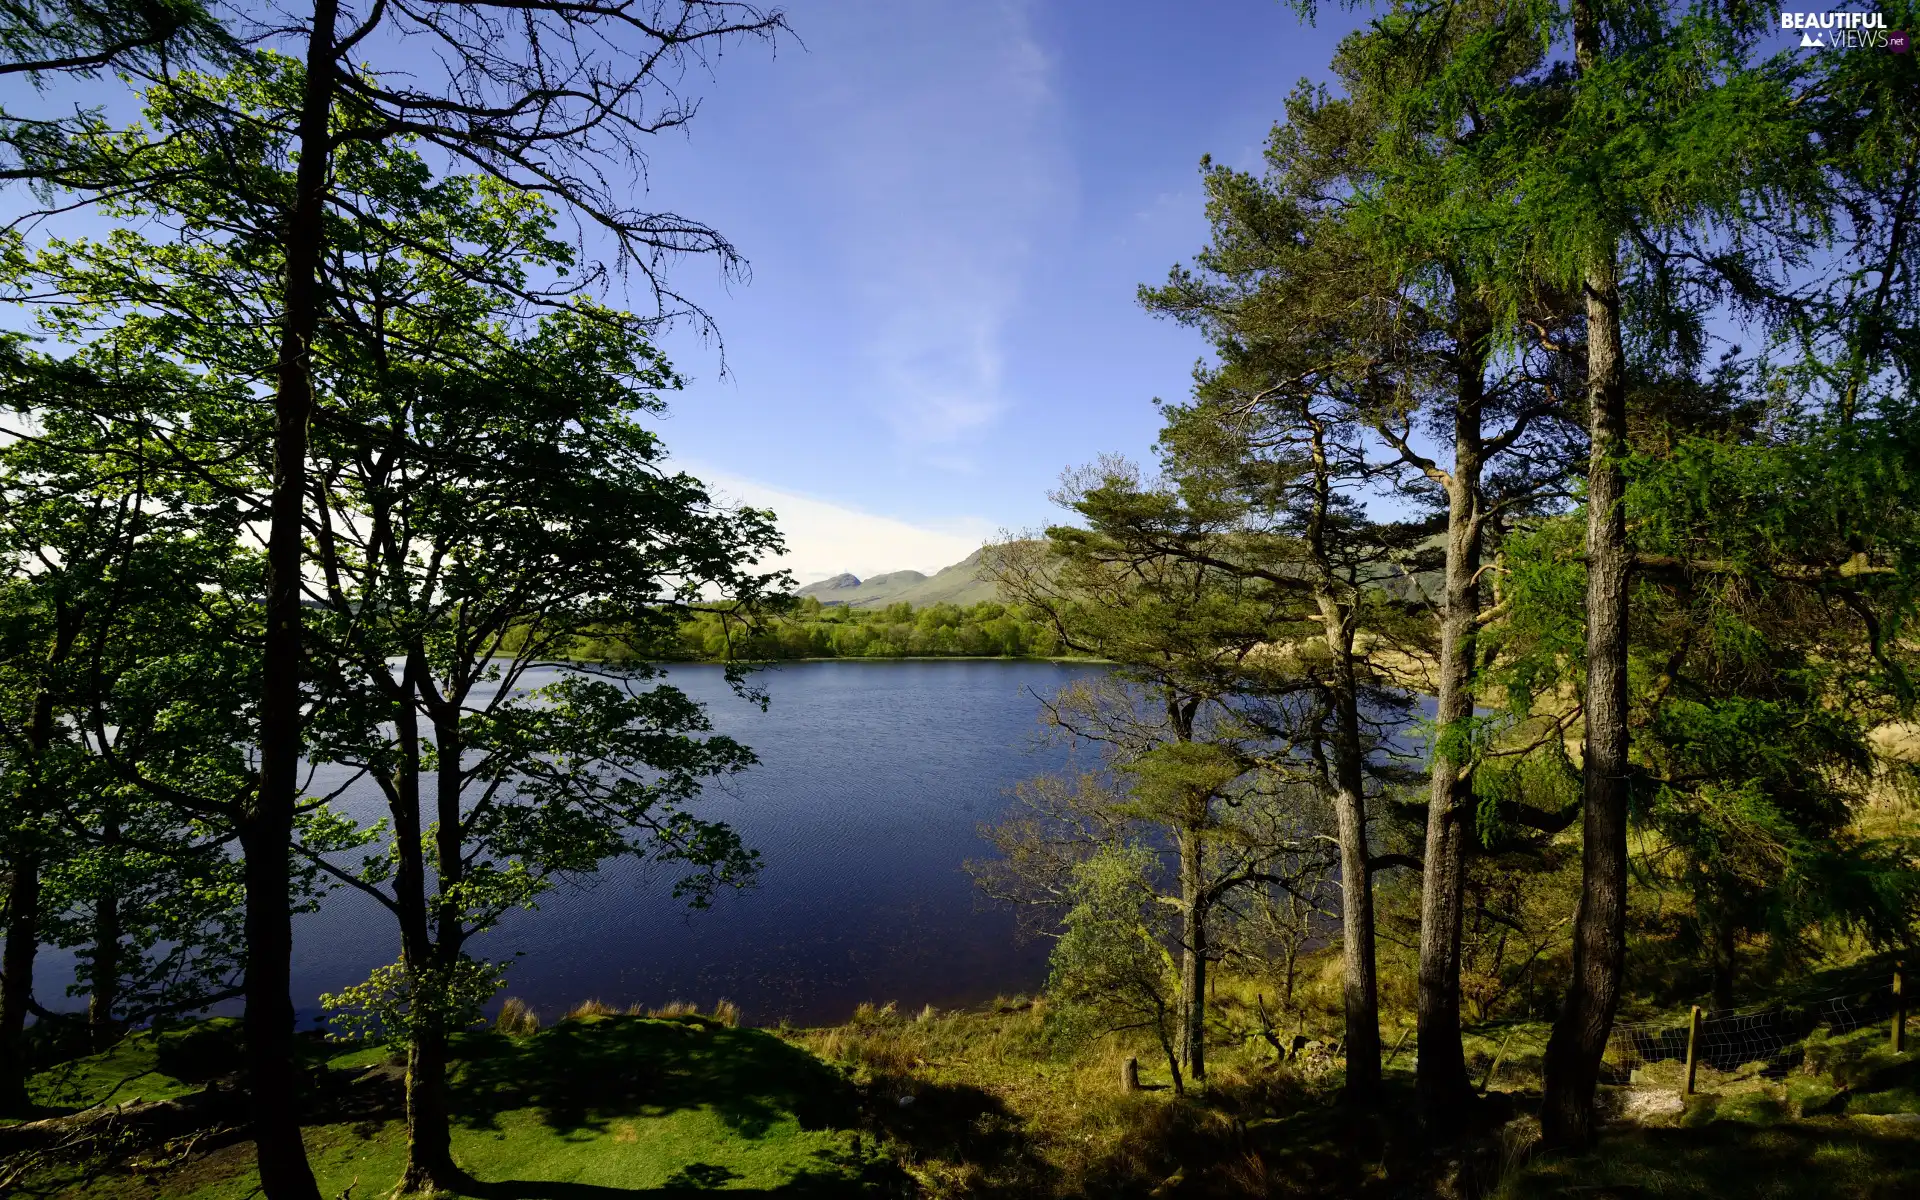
x=958, y=584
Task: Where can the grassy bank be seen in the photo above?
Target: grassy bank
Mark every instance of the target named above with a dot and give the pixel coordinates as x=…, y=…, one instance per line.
x=999, y=1102
x=1001, y=1107
x=595, y=1105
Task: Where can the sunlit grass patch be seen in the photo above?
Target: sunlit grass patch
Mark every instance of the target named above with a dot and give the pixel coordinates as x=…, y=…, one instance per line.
x=600, y=1101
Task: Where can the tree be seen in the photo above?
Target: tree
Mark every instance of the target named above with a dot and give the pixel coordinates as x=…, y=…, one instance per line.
x=482, y=500
x=1672, y=136
x=119, y=576
x=1181, y=770
x=1599, y=942
x=1278, y=444
x=41, y=41
x=50, y=40
x=545, y=96
x=53, y=561
x=1111, y=970
x=473, y=523
x=1482, y=353
x=1222, y=605
x=542, y=96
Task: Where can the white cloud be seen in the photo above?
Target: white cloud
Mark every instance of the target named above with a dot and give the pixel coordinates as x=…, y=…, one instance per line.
x=824, y=538
x=947, y=162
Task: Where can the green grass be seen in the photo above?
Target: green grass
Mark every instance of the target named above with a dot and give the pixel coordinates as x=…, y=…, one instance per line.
x=999, y=1103
x=1846, y=1123
x=1863, y=1159
x=144, y=1066
x=601, y=1106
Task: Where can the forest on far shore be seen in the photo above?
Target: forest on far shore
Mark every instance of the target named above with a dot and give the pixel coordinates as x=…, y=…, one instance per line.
x=815, y=630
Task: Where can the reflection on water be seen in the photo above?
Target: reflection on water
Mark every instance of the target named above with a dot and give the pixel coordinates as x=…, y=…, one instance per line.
x=872, y=779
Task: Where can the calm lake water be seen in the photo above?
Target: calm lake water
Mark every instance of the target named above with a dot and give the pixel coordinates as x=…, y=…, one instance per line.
x=873, y=778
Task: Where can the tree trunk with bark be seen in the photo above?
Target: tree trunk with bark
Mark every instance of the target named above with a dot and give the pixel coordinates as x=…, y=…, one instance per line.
x=274, y=1078
x=1572, y=1066
x=23, y=885
x=102, y=1030
x=430, y=1166
x=16, y=977
x=1346, y=781
x=1441, y=1074
x=1193, y=956
x=1360, y=987
x=267, y=833
x=1725, y=949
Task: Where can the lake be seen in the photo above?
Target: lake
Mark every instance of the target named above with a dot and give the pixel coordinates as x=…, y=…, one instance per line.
x=873, y=779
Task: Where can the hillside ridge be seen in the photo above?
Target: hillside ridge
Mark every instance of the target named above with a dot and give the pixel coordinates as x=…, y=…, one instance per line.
x=959, y=583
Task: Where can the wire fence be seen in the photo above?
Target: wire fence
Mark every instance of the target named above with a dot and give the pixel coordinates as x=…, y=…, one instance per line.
x=1772, y=1037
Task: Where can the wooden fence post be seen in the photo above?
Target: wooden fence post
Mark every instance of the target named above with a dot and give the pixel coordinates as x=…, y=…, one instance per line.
x=1130, y=1075
x=1693, y=1042
x=1899, y=1009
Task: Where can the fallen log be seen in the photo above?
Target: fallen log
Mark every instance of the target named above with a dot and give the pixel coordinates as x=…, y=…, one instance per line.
x=133, y=1122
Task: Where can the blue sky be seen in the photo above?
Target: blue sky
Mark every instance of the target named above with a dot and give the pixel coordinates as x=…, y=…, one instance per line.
x=948, y=205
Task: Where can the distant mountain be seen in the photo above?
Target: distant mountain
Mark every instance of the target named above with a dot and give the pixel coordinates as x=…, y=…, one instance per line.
x=841, y=582
x=957, y=584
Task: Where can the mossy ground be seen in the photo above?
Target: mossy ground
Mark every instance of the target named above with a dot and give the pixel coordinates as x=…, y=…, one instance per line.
x=596, y=1106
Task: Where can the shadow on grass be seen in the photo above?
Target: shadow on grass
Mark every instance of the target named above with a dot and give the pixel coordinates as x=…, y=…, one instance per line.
x=967, y=1127
x=580, y=1074
x=1728, y=1158
x=836, y=1173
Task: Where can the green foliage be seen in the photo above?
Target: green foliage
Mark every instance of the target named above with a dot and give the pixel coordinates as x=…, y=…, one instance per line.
x=129, y=610
x=398, y=1003
x=1111, y=969
x=812, y=630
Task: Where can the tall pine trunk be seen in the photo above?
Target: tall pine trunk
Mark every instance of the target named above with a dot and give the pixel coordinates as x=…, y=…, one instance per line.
x=1572, y=1066
x=1346, y=778
x=1441, y=1075
x=275, y=1074
x=267, y=833
x=1193, y=957
x=1360, y=989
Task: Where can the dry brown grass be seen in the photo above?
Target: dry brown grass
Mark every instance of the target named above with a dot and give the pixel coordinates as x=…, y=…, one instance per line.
x=674, y=1008
x=590, y=1008
x=517, y=1018
x=1002, y=1102
x=727, y=1013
